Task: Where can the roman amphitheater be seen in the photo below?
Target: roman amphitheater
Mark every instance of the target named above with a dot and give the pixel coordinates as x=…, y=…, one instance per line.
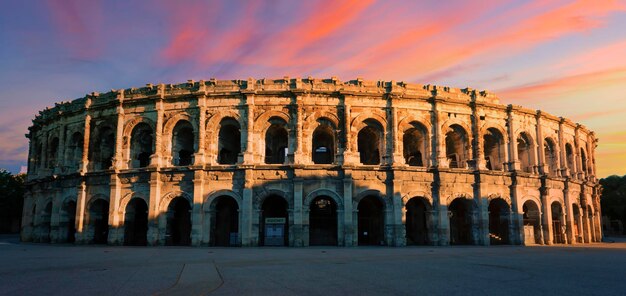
x=300, y=162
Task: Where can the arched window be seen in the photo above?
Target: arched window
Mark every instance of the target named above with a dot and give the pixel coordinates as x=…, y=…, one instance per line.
x=323, y=144
x=524, y=152
x=493, y=148
x=276, y=141
x=569, y=155
x=549, y=150
x=415, y=145
x=75, y=151
x=457, y=146
x=182, y=143
x=102, y=148
x=370, y=143
x=53, y=149
x=229, y=141
x=141, y=145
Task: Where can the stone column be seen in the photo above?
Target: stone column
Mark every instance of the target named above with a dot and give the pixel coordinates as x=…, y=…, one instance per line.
x=118, y=158
x=569, y=216
x=60, y=163
x=540, y=144
x=199, y=159
x=517, y=214
x=350, y=153
x=44, y=155
x=54, y=214
x=564, y=172
x=156, y=158
x=299, y=156
x=546, y=218
x=351, y=230
x=396, y=139
x=248, y=238
x=116, y=232
x=514, y=163
x=196, y=209
x=398, y=225
x=153, y=208
x=81, y=212
x=439, y=139
x=479, y=157
x=579, y=171
x=86, y=138
x=297, y=213
x=249, y=155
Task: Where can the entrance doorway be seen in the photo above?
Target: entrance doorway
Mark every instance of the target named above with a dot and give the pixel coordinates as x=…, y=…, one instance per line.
x=323, y=222
x=136, y=223
x=99, y=221
x=371, y=221
x=274, y=222
x=68, y=221
x=461, y=211
x=178, y=223
x=499, y=213
x=226, y=224
x=417, y=221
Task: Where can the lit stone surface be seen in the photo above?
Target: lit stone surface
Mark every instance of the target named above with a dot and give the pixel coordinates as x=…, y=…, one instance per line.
x=323, y=162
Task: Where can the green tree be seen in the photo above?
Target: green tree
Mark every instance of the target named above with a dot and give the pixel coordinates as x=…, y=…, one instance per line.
x=11, y=201
x=613, y=199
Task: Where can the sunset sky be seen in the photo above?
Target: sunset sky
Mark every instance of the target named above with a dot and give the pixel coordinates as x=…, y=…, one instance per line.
x=564, y=57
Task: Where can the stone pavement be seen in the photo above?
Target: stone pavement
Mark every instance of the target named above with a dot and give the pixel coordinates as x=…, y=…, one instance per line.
x=35, y=269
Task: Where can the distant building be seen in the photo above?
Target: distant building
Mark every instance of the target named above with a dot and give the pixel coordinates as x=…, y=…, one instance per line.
x=302, y=162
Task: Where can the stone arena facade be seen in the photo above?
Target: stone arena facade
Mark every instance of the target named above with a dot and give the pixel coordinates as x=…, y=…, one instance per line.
x=301, y=162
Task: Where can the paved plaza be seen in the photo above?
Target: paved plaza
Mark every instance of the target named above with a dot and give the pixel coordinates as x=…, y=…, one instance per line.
x=36, y=269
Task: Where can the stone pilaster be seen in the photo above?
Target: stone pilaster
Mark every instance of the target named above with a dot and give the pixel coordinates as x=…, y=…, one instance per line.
x=350, y=229
x=248, y=238
x=81, y=213
x=543, y=168
x=546, y=217
x=249, y=156
x=197, y=210
x=297, y=212
x=86, y=138
x=153, y=208
x=199, y=157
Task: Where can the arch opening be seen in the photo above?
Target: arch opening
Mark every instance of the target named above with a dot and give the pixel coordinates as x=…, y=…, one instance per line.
x=532, y=223
x=323, y=222
x=102, y=149
x=276, y=142
x=371, y=221
x=141, y=145
x=417, y=213
x=414, y=146
x=53, y=149
x=178, y=232
x=457, y=146
x=524, y=152
x=182, y=143
x=67, y=222
x=549, y=150
x=75, y=151
x=558, y=227
x=136, y=223
x=461, y=213
x=44, y=223
x=493, y=149
x=229, y=141
x=370, y=143
x=99, y=221
x=274, y=222
x=225, y=229
x=577, y=230
x=499, y=216
x=323, y=144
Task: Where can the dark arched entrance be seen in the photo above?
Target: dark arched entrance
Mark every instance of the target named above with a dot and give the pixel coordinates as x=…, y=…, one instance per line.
x=417, y=221
x=178, y=223
x=99, y=221
x=371, y=221
x=558, y=227
x=136, y=223
x=532, y=223
x=274, y=222
x=323, y=222
x=461, y=211
x=226, y=225
x=44, y=224
x=499, y=213
x=68, y=221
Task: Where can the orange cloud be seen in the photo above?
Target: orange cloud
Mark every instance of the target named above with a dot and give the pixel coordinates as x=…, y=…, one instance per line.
x=562, y=85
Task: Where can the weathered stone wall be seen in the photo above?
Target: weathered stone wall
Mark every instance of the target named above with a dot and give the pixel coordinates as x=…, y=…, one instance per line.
x=483, y=172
